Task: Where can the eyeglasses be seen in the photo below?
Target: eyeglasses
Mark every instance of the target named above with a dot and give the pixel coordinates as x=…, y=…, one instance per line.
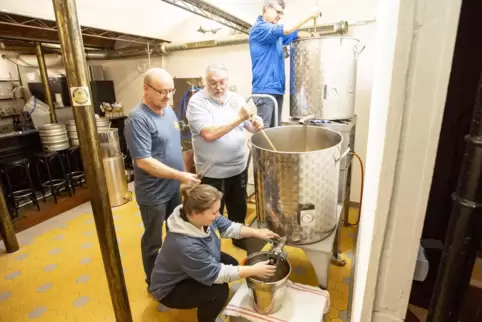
x=164, y=91
x=215, y=84
x=280, y=12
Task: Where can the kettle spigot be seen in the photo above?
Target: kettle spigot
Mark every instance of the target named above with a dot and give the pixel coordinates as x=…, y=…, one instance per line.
x=276, y=251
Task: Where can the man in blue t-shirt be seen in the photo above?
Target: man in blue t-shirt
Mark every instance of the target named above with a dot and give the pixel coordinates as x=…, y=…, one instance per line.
x=154, y=142
x=266, y=41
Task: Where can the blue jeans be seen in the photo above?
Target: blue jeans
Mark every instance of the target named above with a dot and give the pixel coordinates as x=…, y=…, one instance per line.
x=265, y=108
x=153, y=217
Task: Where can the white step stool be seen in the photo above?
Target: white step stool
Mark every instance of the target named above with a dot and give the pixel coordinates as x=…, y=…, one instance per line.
x=302, y=303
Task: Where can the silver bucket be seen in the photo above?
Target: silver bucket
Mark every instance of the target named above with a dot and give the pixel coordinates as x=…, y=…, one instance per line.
x=297, y=185
x=115, y=176
x=109, y=142
x=268, y=294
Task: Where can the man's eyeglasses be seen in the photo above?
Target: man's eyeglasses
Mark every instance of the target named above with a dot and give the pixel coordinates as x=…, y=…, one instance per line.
x=215, y=84
x=280, y=12
x=164, y=91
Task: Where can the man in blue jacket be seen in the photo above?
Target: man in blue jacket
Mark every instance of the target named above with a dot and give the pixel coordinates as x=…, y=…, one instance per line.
x=266, y=41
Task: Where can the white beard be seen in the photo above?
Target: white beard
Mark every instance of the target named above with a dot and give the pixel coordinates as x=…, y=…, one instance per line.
x=219, y=99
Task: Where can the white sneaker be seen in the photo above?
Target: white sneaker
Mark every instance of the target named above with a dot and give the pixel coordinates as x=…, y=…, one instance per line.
x=235, y=287
x=221, y=318
x=162, y=308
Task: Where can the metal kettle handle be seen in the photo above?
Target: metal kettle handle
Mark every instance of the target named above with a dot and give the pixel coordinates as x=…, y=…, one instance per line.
x=276, y=107
x=337, y=159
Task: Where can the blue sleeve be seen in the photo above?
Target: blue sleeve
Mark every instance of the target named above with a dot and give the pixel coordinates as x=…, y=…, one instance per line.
x=199, y=264
x=223, y=224
x=266, y=33
x=290, y=37
x=138, y=138
x=227, y=228
x=197, y=115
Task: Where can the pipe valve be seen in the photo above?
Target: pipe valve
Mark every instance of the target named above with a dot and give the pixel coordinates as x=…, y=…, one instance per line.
x=276, y=253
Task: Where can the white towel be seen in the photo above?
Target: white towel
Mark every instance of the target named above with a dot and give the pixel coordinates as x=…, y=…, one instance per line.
x=302, y=303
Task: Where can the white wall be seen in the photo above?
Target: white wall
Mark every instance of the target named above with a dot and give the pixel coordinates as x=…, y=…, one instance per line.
x=408, y=99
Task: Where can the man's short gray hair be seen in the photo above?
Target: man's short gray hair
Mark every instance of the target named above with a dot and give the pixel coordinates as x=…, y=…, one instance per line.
x=280, y=3
x=216, y=69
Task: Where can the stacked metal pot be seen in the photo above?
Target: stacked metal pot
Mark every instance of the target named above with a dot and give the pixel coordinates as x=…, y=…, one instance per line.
x=101, y=122
x=53, y=137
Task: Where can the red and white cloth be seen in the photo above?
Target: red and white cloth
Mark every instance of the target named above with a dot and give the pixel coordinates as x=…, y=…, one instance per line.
x=302, y=303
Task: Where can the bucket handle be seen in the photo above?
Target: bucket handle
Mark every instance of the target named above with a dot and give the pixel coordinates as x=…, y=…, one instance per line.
x=337, y=159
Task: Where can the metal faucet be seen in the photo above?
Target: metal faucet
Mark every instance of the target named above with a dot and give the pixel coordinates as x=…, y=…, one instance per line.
x=309, y=117
x=276, y=251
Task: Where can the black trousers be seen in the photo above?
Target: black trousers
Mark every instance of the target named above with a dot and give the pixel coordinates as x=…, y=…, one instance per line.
x=209, y=300
x=234, y=195
x=153, y=217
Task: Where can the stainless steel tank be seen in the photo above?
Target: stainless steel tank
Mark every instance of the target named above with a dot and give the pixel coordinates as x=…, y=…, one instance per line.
x=109, y=142
x=53, y=137
x=114, y=166
x=297, y=185
x=323, y=77
x=115, y=176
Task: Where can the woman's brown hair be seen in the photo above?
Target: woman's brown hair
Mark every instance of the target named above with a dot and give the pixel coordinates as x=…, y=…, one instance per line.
x=198, y=198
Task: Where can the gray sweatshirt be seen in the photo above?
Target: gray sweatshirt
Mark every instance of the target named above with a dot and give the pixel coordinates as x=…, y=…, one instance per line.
x=188, y=252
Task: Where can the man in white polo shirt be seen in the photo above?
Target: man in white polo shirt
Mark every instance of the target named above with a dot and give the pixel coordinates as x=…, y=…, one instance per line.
x=217, y=118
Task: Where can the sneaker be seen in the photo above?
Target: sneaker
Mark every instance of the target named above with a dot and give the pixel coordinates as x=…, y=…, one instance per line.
x=221, y=318
x=235, y=287
x=162, y=308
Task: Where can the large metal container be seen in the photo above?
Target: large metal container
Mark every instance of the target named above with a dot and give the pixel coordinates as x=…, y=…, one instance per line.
x=109, y=142
x=53, y=137
x=323, y=77
x=115, y=176
x=297, y=185
x=268, y=294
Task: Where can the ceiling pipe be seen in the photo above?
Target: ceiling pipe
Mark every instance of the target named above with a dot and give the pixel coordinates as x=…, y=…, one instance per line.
x=211, y=12
x=164, y=49
x=340, y=27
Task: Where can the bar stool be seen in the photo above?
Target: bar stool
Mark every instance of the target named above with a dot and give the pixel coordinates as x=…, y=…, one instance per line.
x=22, y=189
x=74, y=167
x=52, y=182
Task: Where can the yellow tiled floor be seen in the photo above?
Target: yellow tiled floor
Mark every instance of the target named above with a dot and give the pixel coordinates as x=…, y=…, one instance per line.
x=58, y=274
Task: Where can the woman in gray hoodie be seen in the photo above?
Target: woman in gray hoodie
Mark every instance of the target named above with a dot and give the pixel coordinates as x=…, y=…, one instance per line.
x=190, y=270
